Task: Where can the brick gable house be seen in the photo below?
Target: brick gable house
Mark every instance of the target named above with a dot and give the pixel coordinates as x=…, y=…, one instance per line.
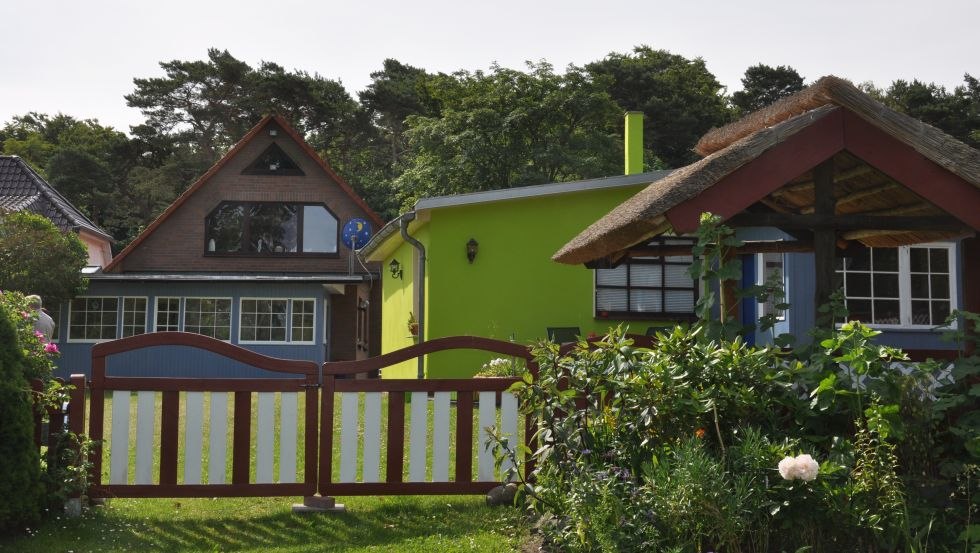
x=251, y=253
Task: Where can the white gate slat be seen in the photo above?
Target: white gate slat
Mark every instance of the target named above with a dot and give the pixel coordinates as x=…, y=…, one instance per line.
x=217, y=439
x=265, y=434
x=488, y=417
x=348, y=436
x=417, y=438
x=287, y=437
x=193, y=437
x=119, y=451
x=508, y=424
x=372, y=437
x=440, y=437
x=145, y=415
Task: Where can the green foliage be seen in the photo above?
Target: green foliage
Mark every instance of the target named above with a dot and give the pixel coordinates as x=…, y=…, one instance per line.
x=20, y=474
x=37, y=258
x=675, y=448
x=763, y=84
x=506, y=128
x=680, y=98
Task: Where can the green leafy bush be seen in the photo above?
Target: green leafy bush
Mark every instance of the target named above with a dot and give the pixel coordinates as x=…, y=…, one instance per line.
x=21, y=490
x=679, y=448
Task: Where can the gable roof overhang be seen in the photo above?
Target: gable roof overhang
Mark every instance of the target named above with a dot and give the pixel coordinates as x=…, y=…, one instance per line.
x=210, y=173
x=942, y=173
x=23, y=189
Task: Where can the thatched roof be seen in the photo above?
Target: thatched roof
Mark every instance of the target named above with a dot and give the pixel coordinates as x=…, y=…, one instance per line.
x=730, y=147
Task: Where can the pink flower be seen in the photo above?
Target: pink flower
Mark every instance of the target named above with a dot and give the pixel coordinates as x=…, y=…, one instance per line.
x=39, y=336
x=25, y=314
x=51, y=348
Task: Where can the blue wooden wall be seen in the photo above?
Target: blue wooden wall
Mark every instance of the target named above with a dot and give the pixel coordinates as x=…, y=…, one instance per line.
x=182, y=361
x=800, y=318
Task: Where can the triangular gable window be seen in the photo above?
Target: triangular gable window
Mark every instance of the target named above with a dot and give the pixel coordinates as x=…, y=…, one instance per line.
x=273, y=161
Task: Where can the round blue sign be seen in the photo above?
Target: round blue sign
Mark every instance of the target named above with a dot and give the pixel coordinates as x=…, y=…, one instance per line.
x=356, y=233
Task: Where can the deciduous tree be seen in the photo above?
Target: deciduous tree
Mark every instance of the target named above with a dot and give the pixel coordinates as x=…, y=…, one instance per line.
x=764, y=84
x=679, y=97
x=38, y=258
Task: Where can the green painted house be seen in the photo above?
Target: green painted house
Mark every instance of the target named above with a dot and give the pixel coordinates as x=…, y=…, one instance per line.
x=480, y=264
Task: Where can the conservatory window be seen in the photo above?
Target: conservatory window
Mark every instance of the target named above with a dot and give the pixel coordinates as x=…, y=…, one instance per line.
x=908, y=286
x=647, y=285
x=276, y=320
x=92, y=319
x=208, y=316
x=134, y=316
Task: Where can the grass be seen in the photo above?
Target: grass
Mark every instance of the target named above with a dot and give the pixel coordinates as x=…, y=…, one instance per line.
x=398, y=523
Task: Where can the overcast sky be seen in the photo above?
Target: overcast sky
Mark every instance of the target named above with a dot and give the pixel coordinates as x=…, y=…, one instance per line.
x=80, y=58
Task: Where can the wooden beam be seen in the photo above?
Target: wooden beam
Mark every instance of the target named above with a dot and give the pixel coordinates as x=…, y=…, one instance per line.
x=859, y=195
x=818, y=221
x=762, y=246
x=824, y=239
x=843, y=176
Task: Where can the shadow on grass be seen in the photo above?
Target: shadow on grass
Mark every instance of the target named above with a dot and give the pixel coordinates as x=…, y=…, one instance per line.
x=267, y=525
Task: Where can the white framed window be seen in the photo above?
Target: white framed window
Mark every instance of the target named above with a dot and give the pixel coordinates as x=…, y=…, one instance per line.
x=905, y=287
x=648, y=286
x=771, y=270
x=268, y=321
x=167, y=317
x=92, y=318
x=303, y=320
x=133, y=316
x=208, y=316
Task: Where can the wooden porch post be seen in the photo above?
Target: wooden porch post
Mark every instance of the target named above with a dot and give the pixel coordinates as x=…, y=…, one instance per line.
x=729, y=290
x=824, y=239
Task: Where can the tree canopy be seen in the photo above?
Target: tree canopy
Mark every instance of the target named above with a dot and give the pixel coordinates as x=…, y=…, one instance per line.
x=413, y=133
x=38, y=258
x=763, y=85
x=680, y=98
x=506, y=128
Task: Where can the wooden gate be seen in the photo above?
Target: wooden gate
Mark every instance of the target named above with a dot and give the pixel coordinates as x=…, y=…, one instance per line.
x=439, y=399
x=182, y=402
x=175, y=440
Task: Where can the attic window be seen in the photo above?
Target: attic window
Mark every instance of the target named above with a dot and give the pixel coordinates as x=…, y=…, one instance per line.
x=271, y=228
x=273, y=161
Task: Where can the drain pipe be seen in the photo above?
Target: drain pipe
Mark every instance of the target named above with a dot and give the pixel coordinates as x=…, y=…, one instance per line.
x=419, y=283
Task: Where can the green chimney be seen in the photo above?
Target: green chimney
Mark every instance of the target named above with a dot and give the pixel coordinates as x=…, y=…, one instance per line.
x=634, y=142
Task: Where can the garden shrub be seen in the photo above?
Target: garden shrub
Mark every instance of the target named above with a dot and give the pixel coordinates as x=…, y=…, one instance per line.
x=20, y=473
x=677, y=448
x=704, y=443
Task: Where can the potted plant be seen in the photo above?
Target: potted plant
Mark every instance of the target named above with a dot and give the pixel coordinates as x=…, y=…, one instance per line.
x=413, y=324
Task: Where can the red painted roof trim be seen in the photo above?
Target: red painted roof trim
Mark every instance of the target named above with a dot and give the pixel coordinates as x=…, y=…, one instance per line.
x=840, y=130
x=252, y=133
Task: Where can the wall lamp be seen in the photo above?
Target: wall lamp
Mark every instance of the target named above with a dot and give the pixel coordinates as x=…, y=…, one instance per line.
x=396, y=268
x=471, y=248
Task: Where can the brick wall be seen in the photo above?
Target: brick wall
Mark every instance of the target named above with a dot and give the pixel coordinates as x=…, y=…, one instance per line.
x=178, y=244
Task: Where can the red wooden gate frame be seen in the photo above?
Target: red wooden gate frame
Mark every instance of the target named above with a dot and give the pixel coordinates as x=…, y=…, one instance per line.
x=396, y=388
x=171, y=387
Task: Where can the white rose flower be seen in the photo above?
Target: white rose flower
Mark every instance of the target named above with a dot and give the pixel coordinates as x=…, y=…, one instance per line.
x=806, y=467
x=802, y=467
x=787, y=468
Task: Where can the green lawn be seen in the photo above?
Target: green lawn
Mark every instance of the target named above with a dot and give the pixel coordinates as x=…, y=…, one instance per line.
x=415, y=523
x=423, y=524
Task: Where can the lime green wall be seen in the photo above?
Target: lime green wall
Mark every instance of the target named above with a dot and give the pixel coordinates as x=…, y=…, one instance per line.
x=397, y=301
x=513, y=290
